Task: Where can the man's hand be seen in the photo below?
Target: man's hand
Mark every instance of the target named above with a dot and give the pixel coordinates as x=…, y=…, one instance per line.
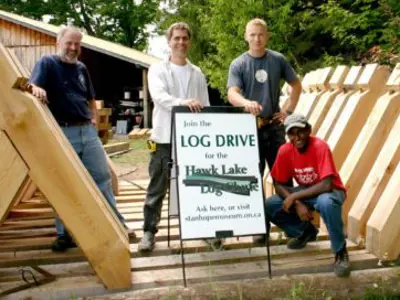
x=303, y=211
x=288, y=202
x=253, y=107
x=39, y=93
x=279, y=117
x=193, y=104
x=94, y=121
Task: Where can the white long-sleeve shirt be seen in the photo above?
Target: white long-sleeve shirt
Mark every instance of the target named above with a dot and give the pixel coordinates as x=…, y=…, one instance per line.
x=165, y=92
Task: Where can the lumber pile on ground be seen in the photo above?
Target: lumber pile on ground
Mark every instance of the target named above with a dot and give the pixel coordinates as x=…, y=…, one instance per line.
x=138, y=133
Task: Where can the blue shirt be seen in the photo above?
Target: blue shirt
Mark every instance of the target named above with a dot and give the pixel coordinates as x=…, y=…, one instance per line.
x=68, y=88
x=259, y=78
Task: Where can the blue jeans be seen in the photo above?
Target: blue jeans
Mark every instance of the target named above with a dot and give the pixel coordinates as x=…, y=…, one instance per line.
x=329, y=206
x=87, y=145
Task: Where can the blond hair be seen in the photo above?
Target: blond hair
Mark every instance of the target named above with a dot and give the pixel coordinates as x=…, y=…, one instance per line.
x=178, y=25
x=66, y=29
x=258, y=22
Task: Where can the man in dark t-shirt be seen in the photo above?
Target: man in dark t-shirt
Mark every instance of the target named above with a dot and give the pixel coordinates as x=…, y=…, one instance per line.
x=254, y=83
x=63, y=83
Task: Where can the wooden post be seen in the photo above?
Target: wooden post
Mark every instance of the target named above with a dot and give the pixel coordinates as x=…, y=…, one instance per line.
x=338, y=103
x=146, y=104
x=335, y=86
x=61, y=177
x=306, y=85
x=319, y=88
x=367, y=146
x=383, y=227
x=13, y=172
x=380, y=173
x=356, y=111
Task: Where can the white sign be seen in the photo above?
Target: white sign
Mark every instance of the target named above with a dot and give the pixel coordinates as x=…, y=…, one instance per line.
x=219, y=181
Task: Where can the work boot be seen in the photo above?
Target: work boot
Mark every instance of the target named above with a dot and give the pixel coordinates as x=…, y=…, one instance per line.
x=62, y=243
x=308, y=235
x=146, y=244
x=342, y=264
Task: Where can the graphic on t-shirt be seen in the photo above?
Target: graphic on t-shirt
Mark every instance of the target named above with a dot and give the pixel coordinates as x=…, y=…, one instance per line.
x=305, y=176
x=261, y=75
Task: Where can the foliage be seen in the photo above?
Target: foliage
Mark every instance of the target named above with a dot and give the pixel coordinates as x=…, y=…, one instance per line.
x=311, y=33
x=121, y=21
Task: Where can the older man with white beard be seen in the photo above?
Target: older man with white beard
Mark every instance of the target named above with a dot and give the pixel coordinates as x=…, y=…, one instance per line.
x=63, y=83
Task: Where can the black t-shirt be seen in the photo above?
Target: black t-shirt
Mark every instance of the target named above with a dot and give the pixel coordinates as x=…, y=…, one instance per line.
x=68, y=88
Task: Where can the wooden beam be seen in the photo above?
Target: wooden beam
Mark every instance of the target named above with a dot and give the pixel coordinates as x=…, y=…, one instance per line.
x=356, y=111
x=13, y=172
x=383, y=227
x=61, y=177
x=114, y=176
x=384, y=165
x=339, y=102
x=374, y=185
x=335, y=86
x=366, y=148
x=146, y=104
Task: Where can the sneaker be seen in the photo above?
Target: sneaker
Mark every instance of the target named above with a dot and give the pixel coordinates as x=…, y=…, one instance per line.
x=260, y=240
x=342, y=263
x=62, y=243
x=308, y=235
x=146, y=244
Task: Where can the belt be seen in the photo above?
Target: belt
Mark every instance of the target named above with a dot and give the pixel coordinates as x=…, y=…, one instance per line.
x=71, y=124
x=262, y=121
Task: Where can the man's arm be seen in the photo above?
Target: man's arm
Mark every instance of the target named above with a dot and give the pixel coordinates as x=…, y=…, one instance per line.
x=321, y=187
x=92, y=105
x=294, y=95
x=236, y=99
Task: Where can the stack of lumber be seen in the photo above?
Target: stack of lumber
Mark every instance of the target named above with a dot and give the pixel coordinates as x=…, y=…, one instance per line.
x=26, y=236
x=103, y=123
x=359, y=117
x=138, y=133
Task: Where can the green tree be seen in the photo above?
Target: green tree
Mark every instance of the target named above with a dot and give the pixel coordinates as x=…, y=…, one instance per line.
x=121, y=21
x=311, y=33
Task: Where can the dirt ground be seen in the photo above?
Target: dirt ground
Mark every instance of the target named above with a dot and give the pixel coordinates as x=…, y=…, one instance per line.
x=132, y=165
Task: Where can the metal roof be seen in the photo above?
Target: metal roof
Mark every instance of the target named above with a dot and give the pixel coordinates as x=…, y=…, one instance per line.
x=89, y=42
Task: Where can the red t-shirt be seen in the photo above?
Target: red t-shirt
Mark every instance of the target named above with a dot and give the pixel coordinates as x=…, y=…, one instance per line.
x=307, y=168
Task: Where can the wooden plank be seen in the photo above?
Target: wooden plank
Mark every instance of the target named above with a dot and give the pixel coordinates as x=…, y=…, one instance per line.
x=13, y=172
x=114, y=177
x=306, y=86
x=374, y=185
x=26, y=192
x=84, y=286
x=338, y=103
x=356, y=111
x=335, y=86
x=366, y=148
x=116, y=147
x=383, y=227
x=60, y=176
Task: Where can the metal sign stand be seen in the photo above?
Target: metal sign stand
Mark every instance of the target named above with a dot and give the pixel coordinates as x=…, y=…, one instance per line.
x=218, y=234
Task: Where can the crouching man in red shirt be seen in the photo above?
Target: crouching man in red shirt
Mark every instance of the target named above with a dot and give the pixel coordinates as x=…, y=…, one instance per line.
x=309, y=161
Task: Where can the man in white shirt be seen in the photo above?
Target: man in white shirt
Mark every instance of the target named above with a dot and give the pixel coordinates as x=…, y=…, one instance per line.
x=173, y=82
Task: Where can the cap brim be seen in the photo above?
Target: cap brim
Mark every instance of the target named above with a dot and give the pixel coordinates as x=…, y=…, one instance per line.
x=293, y=125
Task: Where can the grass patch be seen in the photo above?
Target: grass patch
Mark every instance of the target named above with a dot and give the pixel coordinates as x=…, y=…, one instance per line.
x=139, y=155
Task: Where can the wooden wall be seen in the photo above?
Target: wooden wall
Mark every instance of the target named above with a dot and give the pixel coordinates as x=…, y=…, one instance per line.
x=28, y=45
